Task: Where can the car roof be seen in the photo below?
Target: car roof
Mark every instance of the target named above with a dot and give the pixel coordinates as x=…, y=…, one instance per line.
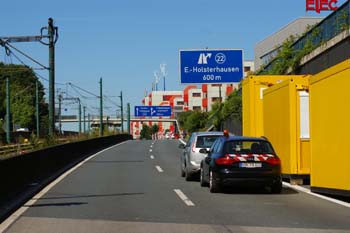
x=208, y=133
x=239, y=138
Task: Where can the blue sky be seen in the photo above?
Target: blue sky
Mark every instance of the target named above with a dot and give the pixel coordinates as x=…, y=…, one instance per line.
x=124, y=42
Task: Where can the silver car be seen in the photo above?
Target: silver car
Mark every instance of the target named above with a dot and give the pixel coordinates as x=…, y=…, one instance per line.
x=191, y=157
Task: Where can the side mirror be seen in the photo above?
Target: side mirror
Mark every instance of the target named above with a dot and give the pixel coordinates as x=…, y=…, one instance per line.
x=203, y=151
x=182, y=146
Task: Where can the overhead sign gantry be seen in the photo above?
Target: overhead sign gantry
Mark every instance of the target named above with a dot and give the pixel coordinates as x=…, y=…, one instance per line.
x=152, y=111
x=211, y=66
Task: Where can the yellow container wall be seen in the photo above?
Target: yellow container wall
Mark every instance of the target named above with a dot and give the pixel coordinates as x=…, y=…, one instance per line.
x=252, y=102
x=305, y=156
x=282, y=126
x=247, y=108
x=330, y=128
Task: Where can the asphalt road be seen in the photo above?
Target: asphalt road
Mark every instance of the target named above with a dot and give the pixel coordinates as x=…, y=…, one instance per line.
x=136, y=187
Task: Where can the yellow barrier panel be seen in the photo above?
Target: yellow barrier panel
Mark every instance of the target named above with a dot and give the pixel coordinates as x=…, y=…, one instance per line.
x=286, y=124
x=330, y=128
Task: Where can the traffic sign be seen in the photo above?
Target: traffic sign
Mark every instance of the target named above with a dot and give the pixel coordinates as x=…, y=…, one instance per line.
x=211, y=66
x=152, y=111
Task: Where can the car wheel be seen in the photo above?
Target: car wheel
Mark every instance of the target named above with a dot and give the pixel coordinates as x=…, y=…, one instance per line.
x=201, y=179
x=276, y=188
x=188, y=175
x=214, y=186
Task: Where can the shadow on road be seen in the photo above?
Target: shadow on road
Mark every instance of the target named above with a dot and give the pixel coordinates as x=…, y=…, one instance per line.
x=90, y=196
x=123, y=161
x=57, y=204
x=262, y=191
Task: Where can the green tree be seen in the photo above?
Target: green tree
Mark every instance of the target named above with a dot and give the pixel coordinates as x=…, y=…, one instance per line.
x=196, y=121
x=22, y=88
x=284, y=58
x=155, y=129
x=145, y=132
x=215, y=115
x=182, y=118
x=233, y=106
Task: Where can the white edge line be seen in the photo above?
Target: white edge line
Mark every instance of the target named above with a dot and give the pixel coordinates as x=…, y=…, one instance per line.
x=13, y=217
x=182, y=141
x=305, y=190
x=159, y=169
x=183, y=197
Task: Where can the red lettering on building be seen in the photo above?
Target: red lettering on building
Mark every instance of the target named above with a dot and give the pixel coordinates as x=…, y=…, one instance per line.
x=321, y=5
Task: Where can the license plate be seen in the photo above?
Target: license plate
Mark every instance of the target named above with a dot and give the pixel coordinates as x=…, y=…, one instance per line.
x=250, y=165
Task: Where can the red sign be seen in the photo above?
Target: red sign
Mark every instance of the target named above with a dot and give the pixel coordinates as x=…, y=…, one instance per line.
x=321, y=5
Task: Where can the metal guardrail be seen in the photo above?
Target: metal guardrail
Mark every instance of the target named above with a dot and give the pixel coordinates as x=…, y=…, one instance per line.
x=16, y=149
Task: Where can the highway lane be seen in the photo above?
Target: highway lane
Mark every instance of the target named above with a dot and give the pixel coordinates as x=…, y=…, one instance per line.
x=136, y=187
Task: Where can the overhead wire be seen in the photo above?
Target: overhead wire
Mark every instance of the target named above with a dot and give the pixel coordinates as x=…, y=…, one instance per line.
x=110, y=100
x=75, y=87
x=10, y=53
x=84, y=90
x=25, y=55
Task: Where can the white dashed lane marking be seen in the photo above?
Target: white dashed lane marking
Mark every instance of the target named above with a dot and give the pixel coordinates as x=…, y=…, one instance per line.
x=159, y=169
x=183, y=197
x=152, y=157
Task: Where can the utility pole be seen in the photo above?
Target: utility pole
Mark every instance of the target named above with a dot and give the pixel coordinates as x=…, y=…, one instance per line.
x=164, y=83
x=89, y=123
x=60, y=114
x=53, y=37
x=121, y=111
x=84, y=117
x=107, y=124
x=156, y=76
x=37, y=114
x=101, y=109
x=79, y=116
x=128, y=121
x=51, y=33
x=8, y=112
x=164, y=72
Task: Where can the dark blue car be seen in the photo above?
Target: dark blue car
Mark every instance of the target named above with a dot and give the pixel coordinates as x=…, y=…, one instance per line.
x=234, y=160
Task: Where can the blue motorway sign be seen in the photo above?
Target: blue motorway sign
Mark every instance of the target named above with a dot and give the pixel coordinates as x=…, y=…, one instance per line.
x=152, y=111
x=211, y=66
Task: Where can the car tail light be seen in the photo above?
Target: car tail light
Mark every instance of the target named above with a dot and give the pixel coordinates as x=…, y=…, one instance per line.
x=226, y=160
x=274, y=161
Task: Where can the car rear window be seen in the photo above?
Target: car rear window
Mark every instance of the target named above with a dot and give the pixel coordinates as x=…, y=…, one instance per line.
x=206, y=141
x=248, y=147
